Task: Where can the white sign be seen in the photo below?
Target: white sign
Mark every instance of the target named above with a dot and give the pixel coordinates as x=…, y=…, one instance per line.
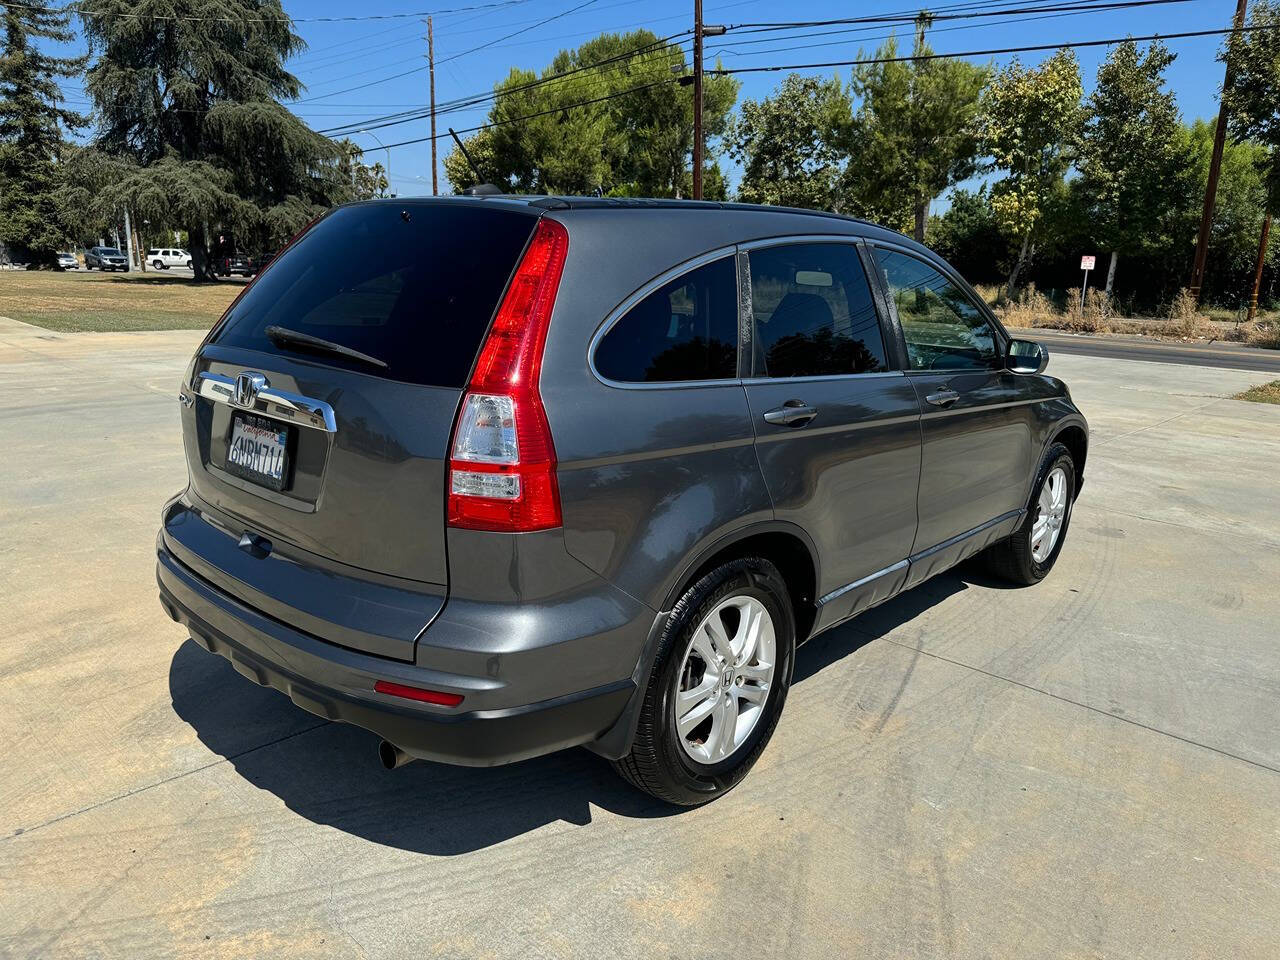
x=1086, y=263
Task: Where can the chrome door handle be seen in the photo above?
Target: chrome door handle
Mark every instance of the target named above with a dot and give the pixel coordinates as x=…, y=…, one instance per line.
x=793, y=413
x=943, y=398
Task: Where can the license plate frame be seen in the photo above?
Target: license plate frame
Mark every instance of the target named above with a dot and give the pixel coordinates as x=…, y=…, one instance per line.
x=277, y=436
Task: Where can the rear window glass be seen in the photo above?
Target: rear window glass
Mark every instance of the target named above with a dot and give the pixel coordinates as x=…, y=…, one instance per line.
x=413, y=285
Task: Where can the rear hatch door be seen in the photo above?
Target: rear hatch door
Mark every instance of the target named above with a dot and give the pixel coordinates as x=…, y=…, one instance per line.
x=342, y=450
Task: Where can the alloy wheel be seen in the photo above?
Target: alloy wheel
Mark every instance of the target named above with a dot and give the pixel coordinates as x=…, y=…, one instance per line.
x=1051, y=513
x=725, y=679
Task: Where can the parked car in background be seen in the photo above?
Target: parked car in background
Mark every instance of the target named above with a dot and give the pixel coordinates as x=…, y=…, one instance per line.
x=105, y=258
x=67, y=261
x=165, y=257
x=242, y=264
x=496, y=476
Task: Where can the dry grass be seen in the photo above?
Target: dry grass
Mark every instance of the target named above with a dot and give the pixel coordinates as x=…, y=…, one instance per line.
x=1266, y=393
x=1182, y=321
x=108, y=302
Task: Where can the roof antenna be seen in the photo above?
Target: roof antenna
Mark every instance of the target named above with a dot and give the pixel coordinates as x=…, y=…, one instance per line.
x=481, y=188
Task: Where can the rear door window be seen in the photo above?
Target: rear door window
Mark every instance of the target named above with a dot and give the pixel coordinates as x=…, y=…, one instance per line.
x=687, y=329
x=813, y=313
x=414, y=285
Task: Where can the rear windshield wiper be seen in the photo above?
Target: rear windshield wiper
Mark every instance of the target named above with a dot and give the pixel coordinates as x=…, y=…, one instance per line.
x=283, y=335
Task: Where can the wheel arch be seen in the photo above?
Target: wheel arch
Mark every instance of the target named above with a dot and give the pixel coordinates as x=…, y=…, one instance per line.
x=1075, y=437
x=784, y=544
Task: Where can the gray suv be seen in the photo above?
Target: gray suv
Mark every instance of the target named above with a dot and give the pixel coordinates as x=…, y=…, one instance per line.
x=496, y=476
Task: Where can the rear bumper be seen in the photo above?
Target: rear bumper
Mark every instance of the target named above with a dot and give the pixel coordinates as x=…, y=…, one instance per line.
x=338, y=684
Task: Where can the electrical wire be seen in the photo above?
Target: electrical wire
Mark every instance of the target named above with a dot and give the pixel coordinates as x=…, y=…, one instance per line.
x=1035, y=48
x=17, y=4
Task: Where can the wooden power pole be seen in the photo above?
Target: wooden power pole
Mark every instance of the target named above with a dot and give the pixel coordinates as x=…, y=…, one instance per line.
x=700, y=30
x=1215, y=170
x=1257, y=271
x=431, y=72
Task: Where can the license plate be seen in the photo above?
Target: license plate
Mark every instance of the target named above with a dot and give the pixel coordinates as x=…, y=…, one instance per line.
x=258, y=450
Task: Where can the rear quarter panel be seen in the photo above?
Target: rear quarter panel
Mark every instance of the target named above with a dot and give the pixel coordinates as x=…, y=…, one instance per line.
x=649, y=477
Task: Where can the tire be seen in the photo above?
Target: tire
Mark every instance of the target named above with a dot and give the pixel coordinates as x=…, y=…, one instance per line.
x=661, y=761
x=1016, y=558
x=158, y=264
x=188, y=264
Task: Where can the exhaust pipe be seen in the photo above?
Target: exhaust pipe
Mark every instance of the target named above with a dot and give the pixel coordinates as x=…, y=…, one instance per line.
x=392, y=756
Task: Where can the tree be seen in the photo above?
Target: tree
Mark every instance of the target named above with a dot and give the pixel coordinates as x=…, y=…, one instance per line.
x=610, y=119
x=1031, y=126
x=1133, y=174
x=1253, y=105
x=915, y=132
x=190, y=110
x=969, y=237
x=366, y=182
x=31, y=126
x=785, y=144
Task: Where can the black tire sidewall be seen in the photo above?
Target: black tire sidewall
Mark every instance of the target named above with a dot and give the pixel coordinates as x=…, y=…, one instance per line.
x=759, y=581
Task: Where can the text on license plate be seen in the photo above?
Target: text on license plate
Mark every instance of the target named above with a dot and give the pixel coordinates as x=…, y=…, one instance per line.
x=258, y=446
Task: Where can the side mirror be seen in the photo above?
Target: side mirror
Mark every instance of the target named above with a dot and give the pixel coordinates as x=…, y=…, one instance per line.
x=1027, y=356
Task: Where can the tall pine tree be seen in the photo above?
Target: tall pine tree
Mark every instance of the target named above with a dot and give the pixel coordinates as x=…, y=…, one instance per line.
x=189, y=95
x=31, y=127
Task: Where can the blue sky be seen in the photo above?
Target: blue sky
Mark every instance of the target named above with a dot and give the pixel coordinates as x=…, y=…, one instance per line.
x=364, y=54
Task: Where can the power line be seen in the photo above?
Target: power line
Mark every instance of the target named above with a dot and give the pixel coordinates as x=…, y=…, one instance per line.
x=558, y=16
x=397, y=76
x=285, y=19
x=978, y=9
x=543, y=113
x=479, y=98
x=991, y=53
x=732, y=47
x=934, y=17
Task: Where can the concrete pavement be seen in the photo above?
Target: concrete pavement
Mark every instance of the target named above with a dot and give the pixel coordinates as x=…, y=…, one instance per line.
x=1086, y=768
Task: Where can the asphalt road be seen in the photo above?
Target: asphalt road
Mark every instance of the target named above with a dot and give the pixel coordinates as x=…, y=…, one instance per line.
x=1216, y=354
x=1086, y=768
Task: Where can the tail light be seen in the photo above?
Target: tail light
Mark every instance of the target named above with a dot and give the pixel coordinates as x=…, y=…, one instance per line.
x=502, y=468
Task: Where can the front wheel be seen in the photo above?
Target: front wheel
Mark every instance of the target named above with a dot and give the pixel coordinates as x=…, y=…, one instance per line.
x=717, y=687
x=1029, y=554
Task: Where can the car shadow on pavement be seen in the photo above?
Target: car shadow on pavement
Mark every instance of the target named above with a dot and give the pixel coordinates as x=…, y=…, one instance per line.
x=330, y=774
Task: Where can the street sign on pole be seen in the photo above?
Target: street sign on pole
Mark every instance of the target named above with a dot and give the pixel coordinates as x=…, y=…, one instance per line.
x=1086, y=264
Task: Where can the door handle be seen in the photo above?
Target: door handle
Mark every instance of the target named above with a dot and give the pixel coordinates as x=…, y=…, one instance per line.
x=793, y=413
x=943, y=398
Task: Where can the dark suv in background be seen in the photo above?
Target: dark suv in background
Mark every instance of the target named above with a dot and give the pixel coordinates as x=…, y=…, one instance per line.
x=492, y=477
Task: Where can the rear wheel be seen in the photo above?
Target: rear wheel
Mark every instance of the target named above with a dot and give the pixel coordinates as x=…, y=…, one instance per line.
x=158, y=264
x=718, y=685
x=1029, y=554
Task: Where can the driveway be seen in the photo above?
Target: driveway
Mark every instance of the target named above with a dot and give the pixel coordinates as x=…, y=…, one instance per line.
x=1086, y=768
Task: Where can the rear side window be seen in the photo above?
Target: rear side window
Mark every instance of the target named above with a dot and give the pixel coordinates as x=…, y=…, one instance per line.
x=687, y=329
x=413, y=285
x=813, y=312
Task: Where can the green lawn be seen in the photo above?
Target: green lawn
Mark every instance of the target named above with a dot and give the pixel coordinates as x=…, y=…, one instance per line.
x=80, y=301
x=1266, y=393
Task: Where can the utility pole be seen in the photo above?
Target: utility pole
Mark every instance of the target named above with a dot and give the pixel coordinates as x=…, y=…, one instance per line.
x=431, y=72
x=700, y=30
x=1215, y=169
x=1257, y=271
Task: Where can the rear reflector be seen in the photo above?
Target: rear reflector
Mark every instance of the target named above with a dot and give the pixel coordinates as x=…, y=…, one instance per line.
x=437, y=697
x=503, y=466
